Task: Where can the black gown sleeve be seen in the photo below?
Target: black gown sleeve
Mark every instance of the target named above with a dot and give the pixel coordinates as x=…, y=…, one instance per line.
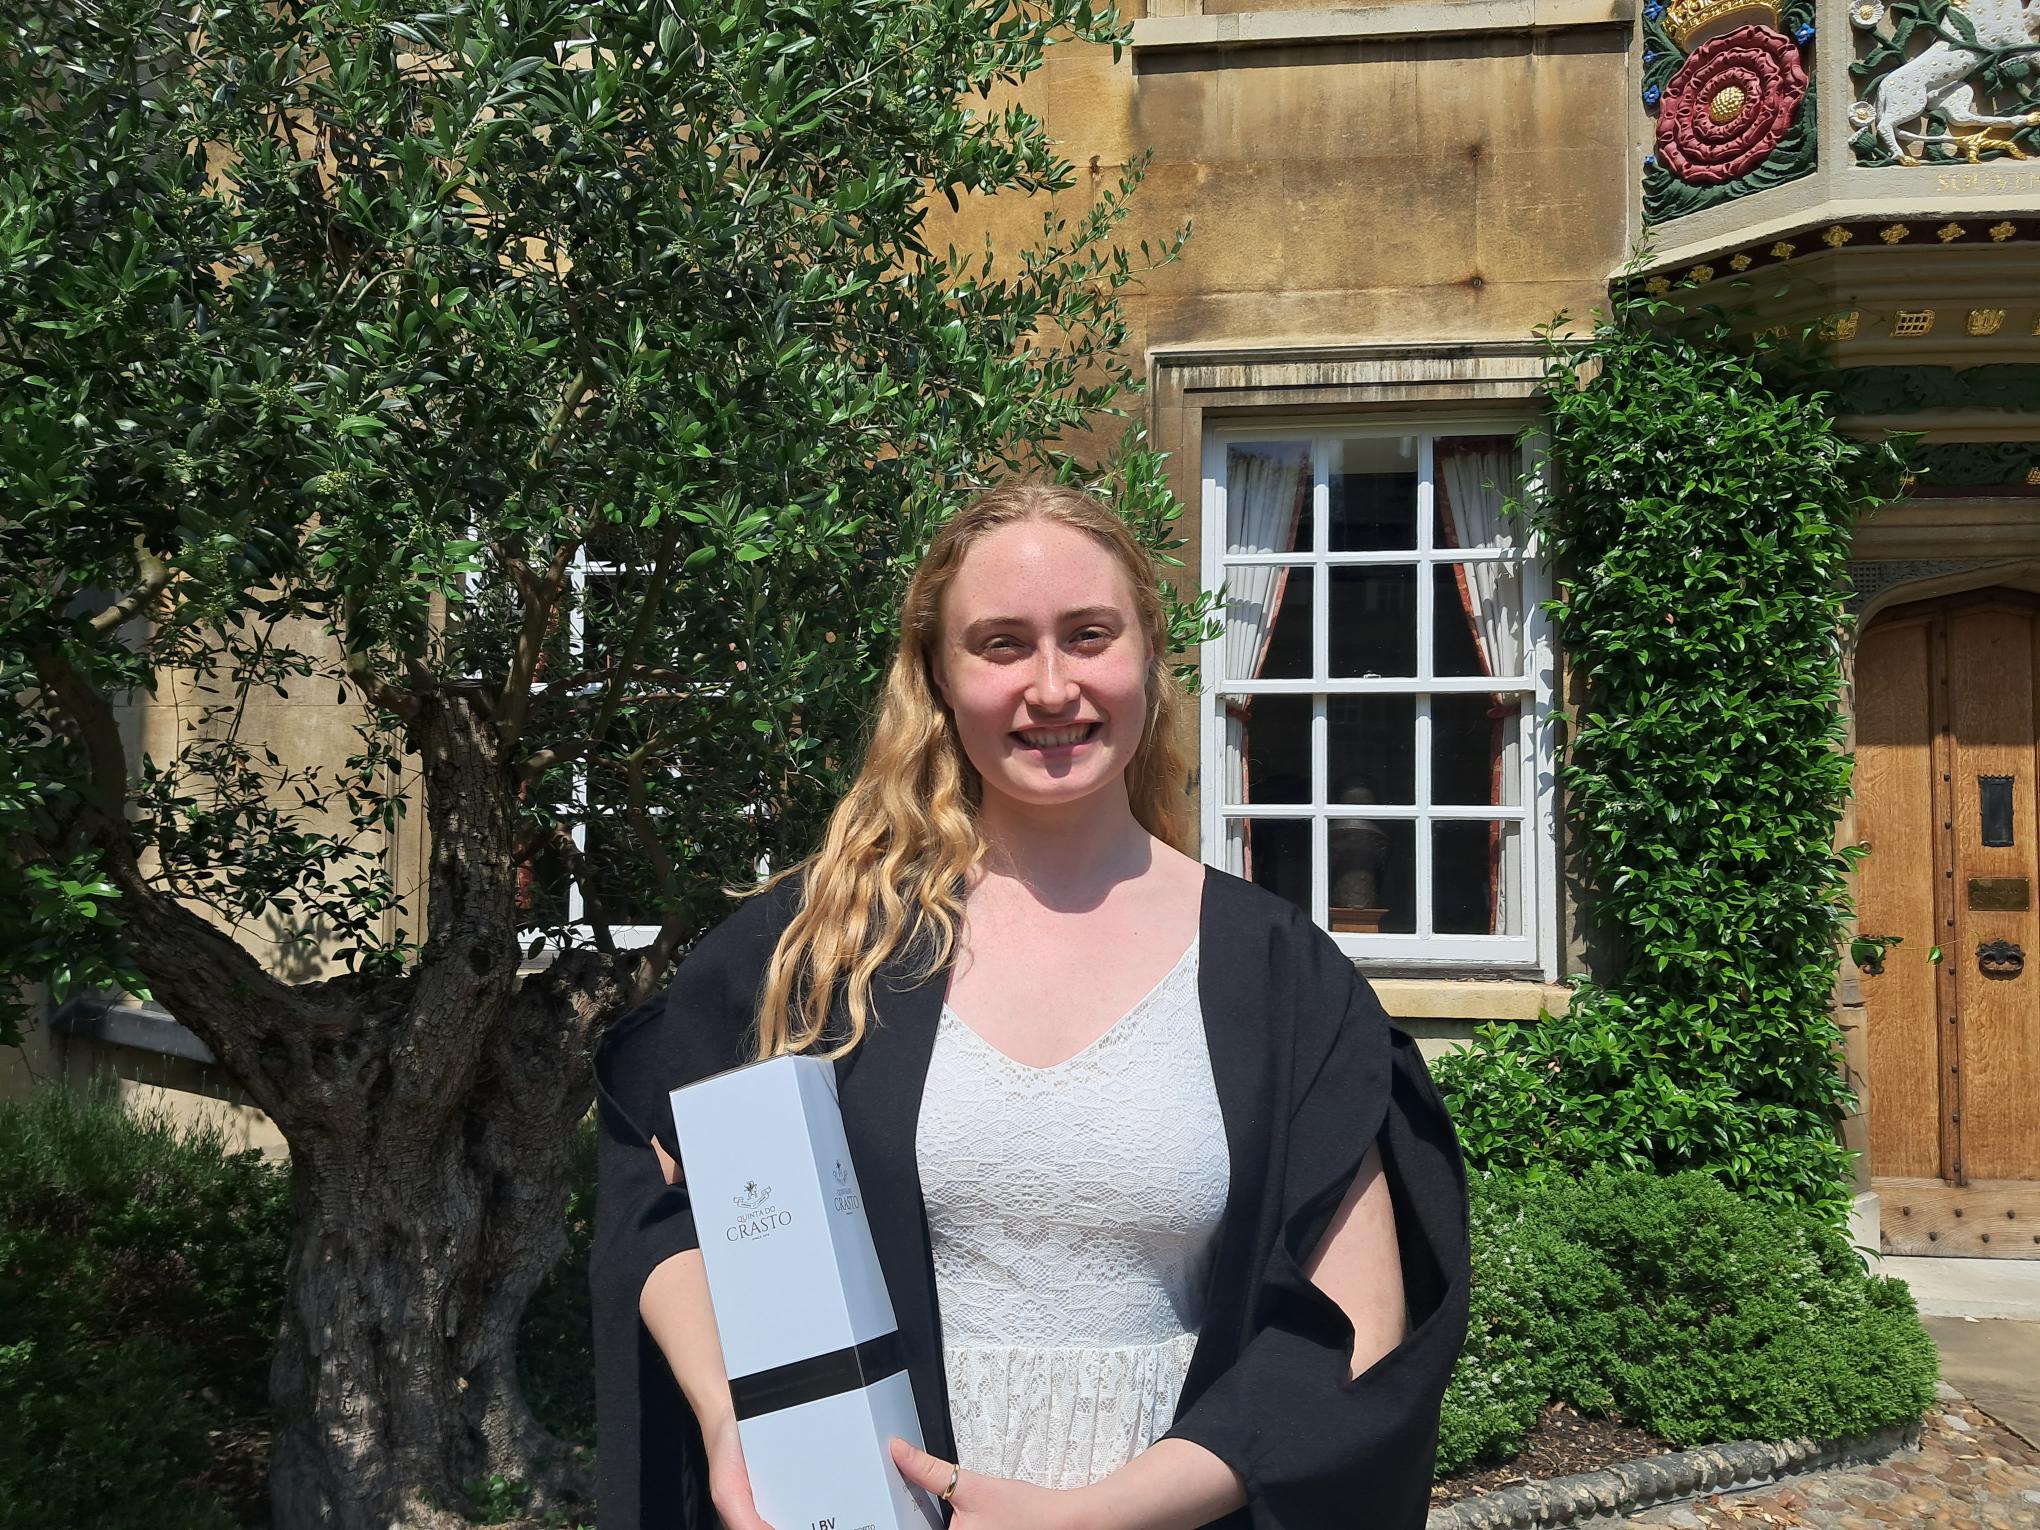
x=650, y=1466
x=1315, y=1447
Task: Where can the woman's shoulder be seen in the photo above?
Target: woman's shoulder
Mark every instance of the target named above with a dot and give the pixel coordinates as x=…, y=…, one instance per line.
x=1284, y=967
x=1238, y=910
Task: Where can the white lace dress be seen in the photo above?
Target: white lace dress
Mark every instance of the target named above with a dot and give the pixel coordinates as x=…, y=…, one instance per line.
x=1073, y=1212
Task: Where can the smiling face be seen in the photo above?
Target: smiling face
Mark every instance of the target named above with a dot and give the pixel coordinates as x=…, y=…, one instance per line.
x=1043, y=664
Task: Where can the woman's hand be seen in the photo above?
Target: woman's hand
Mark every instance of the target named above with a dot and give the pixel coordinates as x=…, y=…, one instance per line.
x=729, y=1481
x=991, y=1503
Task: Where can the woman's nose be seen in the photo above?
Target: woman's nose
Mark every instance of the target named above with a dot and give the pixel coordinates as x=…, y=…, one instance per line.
x=1052, y=686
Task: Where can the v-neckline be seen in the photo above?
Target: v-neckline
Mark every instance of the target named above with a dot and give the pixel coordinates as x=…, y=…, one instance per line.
x=1096, y=1041
x=881, y=1084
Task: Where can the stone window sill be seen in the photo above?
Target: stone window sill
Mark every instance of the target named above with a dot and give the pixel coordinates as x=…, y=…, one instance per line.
x=141, y=1027
x=1156, y=35
x=1476, y=999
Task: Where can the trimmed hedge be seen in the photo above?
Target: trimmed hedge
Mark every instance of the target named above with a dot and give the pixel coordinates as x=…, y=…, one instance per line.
x=1682, y=1307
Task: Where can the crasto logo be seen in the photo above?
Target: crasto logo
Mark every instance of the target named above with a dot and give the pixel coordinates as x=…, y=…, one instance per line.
x=759, y=1218
x=845, y=1198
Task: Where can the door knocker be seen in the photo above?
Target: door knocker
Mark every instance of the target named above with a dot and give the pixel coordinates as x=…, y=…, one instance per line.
x=2000, y=959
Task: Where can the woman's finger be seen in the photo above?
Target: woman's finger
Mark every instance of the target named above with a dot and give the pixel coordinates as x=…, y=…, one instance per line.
x=920, y=1468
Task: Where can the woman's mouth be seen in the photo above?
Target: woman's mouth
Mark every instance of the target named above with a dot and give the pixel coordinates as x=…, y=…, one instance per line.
x=1056, y=740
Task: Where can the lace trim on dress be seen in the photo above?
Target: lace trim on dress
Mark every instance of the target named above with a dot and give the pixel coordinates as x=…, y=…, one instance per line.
x=1063, y=1418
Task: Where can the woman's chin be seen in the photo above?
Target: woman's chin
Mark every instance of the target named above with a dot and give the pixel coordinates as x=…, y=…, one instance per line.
x=1049, y=784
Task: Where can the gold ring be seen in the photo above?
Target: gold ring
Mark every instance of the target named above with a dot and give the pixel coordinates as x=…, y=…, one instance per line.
x=955, y=1472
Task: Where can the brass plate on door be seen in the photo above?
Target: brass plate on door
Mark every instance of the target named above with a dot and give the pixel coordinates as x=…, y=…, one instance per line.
x=2006, y=894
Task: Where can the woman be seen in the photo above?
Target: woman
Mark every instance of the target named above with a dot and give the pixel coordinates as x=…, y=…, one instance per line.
x=1172, y=1220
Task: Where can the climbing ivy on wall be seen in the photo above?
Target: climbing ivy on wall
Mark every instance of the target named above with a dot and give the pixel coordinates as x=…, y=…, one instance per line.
x=1697, y=513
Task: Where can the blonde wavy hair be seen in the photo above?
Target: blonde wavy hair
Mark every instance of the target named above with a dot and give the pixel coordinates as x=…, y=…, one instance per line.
x=893, y=867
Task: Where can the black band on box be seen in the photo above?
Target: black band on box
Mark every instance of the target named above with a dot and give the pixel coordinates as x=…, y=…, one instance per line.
x=804, y=1381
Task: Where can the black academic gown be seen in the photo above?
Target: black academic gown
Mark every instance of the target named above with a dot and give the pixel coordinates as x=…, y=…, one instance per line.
x=1309, y=1073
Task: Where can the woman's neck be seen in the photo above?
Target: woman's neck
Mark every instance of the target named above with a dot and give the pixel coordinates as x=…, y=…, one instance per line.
x=1068, y=856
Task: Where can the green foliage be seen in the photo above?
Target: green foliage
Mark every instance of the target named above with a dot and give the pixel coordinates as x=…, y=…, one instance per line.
x=141, y=1274
x=1680, y=1306
x=335, y=331
x=1698, y=514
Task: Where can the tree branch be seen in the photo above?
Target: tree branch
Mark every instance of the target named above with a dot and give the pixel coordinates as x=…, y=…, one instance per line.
x=541, y=593
x=640, y=815
x=534, y=766
x=360, y=669
x=155, y=578
x=640, y=634
x=557, y=425
x=259, y=1027
x=675, y=931
x=78, y=701
x=558, y=835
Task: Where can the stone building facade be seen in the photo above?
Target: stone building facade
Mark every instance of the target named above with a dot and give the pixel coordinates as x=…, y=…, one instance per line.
x=1386, y=200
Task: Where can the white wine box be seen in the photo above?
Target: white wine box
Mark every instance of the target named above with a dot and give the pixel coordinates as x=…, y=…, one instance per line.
x=808, y=1336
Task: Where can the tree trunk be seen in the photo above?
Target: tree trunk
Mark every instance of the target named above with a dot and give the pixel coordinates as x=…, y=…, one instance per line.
x=417, y=1244
x=431, y=1158
x=431, y=1125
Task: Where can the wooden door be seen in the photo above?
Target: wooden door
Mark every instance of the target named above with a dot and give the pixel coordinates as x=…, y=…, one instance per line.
x=1945, y=729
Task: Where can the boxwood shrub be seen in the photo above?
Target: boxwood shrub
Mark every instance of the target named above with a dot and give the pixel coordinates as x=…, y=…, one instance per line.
x=1680, y=1306
x=141, y=1283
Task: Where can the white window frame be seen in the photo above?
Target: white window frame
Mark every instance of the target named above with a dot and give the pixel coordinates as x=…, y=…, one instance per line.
x=623, y=936
x=1536, y=949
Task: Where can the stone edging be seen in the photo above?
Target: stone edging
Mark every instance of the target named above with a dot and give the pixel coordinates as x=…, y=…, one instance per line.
x=1599, y=1497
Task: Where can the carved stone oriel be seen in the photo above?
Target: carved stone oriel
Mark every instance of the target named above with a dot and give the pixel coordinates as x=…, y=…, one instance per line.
x=1945, y=81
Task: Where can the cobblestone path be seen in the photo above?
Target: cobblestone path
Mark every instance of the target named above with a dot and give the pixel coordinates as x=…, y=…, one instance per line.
x=1969, y=1473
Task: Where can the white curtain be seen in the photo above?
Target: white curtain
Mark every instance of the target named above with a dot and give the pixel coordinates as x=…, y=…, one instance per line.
x=1475, y=478
x=1265, y=491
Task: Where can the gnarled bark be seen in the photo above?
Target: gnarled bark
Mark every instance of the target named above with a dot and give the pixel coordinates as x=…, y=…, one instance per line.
x=430, y=1120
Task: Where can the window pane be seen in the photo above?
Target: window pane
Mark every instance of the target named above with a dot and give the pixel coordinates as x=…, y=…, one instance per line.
x=1267, y=622
x=1477, y=619
x=1373, y=494
x=1267, y=497
x=1477, y=878
x=1371, y=750
x=1273, y=852
x=1373, y=875
x=1265, y=754
x=1374, y=621
x=1476, y=749
x=1473, y=476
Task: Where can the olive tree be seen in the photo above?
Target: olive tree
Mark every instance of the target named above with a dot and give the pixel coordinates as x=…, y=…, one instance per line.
x=561, y=387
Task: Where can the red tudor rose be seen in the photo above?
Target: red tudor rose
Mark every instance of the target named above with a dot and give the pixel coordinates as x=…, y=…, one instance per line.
x=1729, y=104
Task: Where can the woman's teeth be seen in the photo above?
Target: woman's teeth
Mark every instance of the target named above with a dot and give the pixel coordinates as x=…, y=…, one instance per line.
x=1057, y=738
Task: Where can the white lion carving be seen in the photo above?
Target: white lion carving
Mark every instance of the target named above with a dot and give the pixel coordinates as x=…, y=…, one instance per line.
x=1937, y=80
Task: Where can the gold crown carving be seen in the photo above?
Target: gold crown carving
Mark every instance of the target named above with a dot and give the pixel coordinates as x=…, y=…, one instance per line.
x=1686, y=20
